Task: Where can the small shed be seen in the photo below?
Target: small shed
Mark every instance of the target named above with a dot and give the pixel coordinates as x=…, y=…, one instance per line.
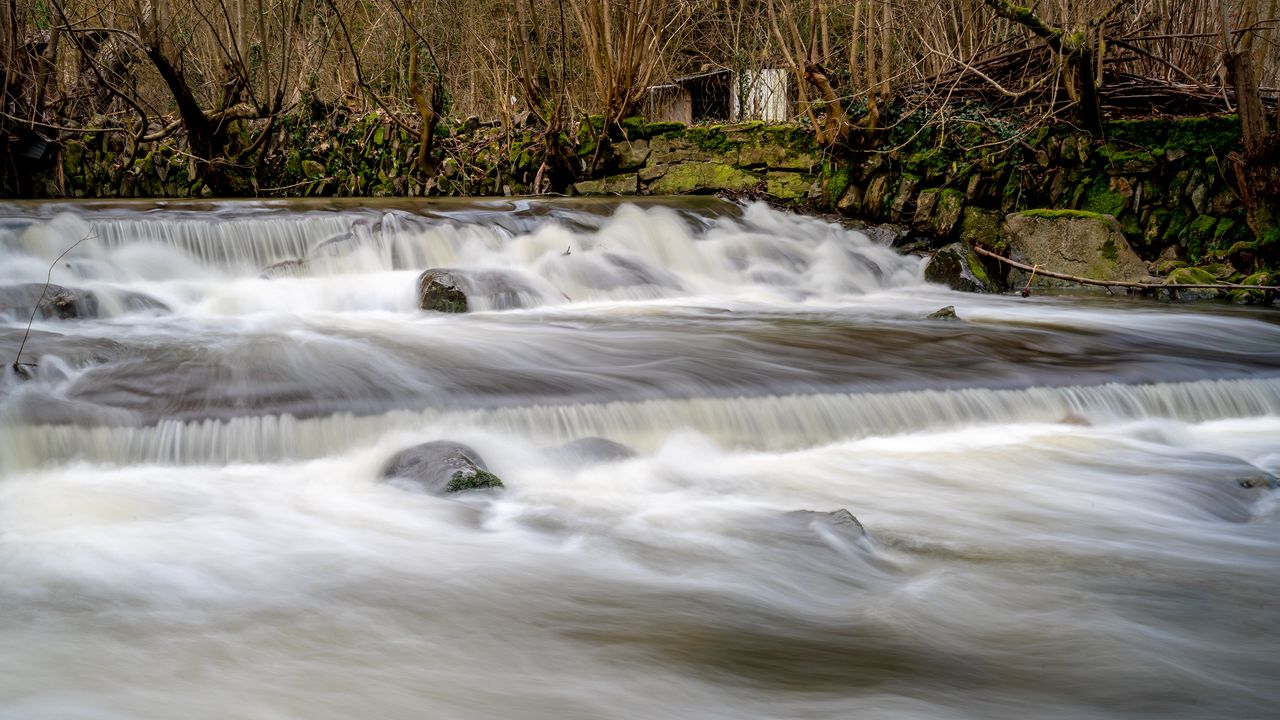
x=722, y=95
x=691, y=98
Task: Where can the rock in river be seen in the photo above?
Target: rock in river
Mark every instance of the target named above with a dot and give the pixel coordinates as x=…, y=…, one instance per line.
x=592, y=450
x=56, y=301
x=958, y=267
x=441, y=467
x=455, y=290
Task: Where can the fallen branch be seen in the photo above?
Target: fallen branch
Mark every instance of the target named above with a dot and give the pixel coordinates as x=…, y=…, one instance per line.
x=1121, y=283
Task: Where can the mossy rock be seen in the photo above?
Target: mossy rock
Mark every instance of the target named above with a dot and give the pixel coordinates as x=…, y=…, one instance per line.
x=440, y=467
x=929, y=164
x=624, y=184
x=835, y=180
x=479, y=479
x=1088, y=245
x=1198, y=236
x=979, y=226
x=1260, y=278
x=1190, y=276
x=703, y=178
x=788, y=187
x=1102, y=198
x=958, y=267
x=441, y=291
x=1129, y=162
x=660, y=129
x=904, y=199
x=873, y=200
x=73, y=158
x=1198, y=136
x=312, y=169
x=947, y=214
x=1058, y=214
x=712, y=139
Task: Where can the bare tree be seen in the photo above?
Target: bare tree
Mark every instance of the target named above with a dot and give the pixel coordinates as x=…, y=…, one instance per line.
x=1258, y=167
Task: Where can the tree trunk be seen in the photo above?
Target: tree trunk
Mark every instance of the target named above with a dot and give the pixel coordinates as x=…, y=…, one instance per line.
x=1081, y=74
x=1080, y=69
x=1258, y=168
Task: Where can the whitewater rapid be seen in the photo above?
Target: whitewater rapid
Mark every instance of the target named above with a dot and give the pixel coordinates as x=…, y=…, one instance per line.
x=1069, y=501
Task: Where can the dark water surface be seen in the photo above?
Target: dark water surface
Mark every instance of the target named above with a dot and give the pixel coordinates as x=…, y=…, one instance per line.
x=1066, y=497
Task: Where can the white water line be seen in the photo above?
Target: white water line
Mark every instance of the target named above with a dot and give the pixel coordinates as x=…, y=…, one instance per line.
x=766, y=423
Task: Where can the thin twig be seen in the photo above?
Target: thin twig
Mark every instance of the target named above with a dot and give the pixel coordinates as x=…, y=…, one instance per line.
x=48, y=279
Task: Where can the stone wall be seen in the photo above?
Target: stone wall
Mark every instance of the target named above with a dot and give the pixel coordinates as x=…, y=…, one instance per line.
x=1165, y=181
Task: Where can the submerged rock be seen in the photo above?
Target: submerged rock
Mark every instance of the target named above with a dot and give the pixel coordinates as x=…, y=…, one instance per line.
x=841, y=522
x=284, y=268
x=52, y=302
x=592, y=450
x=958, y=267
x=441, y=467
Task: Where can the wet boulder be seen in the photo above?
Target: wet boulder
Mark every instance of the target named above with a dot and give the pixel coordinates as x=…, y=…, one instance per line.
x=592, y=450
x=51, y=302
x=456, y=290
x=440, y=467
x=958, y=267
x=943, y=313
x=442, y=291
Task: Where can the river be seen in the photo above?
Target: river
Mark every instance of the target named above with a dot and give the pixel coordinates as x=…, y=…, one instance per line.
x=1068, y=501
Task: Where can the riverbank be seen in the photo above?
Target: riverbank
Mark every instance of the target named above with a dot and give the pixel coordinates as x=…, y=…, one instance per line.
x=1167, y=183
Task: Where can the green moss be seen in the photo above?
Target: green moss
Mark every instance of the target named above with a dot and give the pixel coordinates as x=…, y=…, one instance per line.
x=788, y=187
x=835, y=180
x=1224, y=233
x=662, y=129
x=1108, y=250
x=711, y=139
x=1269, y=238
x=1100, y=198
x=703, y=177
x=1130, y=226
x=794, y=137
x=982, y=226
x=632, y=127
x=1012, y=191
x=1126, y=162
x=1199, y=235
x=947, y=212
x=1190, y=276
x=929, y=161
x=1049, y=214
x=977, y=270
x=479, y=480
x=1198, y=136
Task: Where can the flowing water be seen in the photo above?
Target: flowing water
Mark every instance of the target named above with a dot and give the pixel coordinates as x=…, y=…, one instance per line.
x=1069, y=502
